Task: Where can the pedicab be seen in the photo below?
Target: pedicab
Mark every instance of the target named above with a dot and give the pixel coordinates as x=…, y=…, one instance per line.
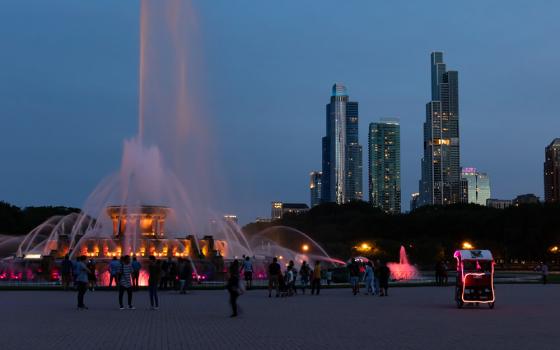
x=475, y=278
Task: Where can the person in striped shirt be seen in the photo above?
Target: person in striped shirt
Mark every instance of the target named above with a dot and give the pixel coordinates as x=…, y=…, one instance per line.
x=125, y=282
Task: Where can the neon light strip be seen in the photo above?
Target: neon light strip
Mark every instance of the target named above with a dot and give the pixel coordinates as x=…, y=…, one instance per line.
x=478, y=274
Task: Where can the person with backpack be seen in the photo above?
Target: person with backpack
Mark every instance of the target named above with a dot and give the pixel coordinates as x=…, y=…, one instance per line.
x=316, y=281
x=304, y=273
x=154, y=274
x=136, y=267
x=125, y=282
x=354, y=271
x=81, y=279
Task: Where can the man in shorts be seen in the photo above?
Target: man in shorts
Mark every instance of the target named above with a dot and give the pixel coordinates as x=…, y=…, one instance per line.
x=247, y=268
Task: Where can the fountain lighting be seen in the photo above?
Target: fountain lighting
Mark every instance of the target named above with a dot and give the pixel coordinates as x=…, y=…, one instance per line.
x=403, y=270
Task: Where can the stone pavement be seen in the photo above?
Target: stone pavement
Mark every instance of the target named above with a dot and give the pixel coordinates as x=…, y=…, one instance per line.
x=525, y=317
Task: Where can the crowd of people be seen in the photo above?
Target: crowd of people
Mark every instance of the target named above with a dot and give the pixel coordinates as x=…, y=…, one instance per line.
x=125, y=274
x=177, y=275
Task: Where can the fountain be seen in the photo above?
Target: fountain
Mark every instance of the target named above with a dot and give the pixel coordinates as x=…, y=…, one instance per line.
x=403, y=270
x=156, y=204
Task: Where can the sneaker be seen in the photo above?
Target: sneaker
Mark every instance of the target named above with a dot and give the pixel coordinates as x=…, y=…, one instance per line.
x=121, y=308
x=130, y=307
x=156, y=308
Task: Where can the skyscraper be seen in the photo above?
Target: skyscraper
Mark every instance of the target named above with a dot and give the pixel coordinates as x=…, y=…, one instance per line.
x=384, y=155
x=552, y=172
x=342, y=153
x=477, y=186
x=441, y=173
x=315, y=188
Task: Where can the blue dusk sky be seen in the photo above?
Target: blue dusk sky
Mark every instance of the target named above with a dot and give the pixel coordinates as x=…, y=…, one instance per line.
x=69, y=96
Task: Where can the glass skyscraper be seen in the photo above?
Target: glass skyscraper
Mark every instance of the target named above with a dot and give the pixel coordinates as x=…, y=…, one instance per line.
x=384, y=155
x=477, y=186
x=315, y=185
x=342, y=153
x=552, y=172
x=440, y=182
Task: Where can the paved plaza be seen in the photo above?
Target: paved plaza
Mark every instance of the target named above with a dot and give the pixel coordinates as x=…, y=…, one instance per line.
x=525, y=317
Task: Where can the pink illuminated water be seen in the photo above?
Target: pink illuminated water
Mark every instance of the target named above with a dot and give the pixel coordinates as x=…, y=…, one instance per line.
x=403, y=270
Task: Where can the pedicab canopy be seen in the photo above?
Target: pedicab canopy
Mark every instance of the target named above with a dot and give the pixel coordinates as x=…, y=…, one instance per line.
x=473, y=255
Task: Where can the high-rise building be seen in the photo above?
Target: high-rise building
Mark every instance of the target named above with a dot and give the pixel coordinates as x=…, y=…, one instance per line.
x=477, y=186
x=552, y=172
x=315, y=188
x=414, y=201
x=440, y=183
x=384, y=155
x=342, y=153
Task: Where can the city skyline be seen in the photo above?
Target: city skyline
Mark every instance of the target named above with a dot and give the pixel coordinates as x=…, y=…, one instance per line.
x=71, y=109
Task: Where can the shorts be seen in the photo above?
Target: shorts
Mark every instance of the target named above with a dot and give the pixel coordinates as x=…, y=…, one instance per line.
x=273, y=281
x=248, y=275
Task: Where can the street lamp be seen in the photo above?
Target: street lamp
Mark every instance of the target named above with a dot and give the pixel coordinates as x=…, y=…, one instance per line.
x=467, y=245
x=305, y=247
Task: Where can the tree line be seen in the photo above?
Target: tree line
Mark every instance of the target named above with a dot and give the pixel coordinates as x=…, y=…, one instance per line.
x=430, y=233
x=19, y=221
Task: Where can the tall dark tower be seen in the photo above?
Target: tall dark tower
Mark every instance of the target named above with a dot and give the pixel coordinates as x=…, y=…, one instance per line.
x=552, y=172
x=441, y=172
x=342, y=153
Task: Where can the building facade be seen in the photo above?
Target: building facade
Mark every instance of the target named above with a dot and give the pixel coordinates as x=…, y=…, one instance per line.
x=440, y=182
x=315, y=185
x=477, y=189
x=499, y=203
x=384, y=165
x=279, y=209
x=342, y=153
x=552, y=172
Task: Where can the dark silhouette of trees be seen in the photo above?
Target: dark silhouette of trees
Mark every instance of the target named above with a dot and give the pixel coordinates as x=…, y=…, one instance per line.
x=17, y=221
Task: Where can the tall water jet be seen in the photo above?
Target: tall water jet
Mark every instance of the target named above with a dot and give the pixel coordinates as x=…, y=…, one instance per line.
x=403, y=270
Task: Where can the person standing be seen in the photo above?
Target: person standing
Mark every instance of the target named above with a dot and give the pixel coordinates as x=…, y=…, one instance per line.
x=354, y=271
x=185, y=275
x=376, y=275
x=247, y=268
x=368, y=279
x=154, y=271
x=81, y=275
x=92, y=277
x=304, y=272
x=164, y=273
x=173, y=275
x=136, y=266
x=316, y=280
x=66, y=272
x=444, y=277
x=384, y=274
x=125, y=282
x=114, y=267
x=233, y=286
x=274, y=275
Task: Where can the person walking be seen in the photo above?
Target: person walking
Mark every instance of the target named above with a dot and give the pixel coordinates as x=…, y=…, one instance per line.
x=274, y=275
x=154, y=274
x=316, y=280
x=544, y=272
x=368, y=279
x=66, y=272
x=185, y=275
x=247, y=268
x=81, y=275
x=92, y=277
x=304, y=273
x=233, y=286
x=136, y=267
x=114, y=267
x=384, y=274
x=125, y=282
x=354, y=271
